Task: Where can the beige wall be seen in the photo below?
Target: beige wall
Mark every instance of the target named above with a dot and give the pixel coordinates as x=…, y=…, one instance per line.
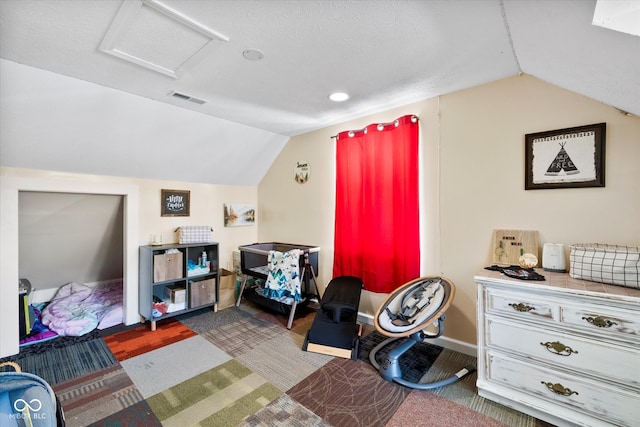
x=478, y=137
x=206, y=207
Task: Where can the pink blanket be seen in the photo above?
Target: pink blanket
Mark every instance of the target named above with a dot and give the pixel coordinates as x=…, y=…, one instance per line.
x=78, y=309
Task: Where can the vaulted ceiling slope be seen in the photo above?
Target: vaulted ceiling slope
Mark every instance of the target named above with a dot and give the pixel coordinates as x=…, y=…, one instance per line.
x=384, y=53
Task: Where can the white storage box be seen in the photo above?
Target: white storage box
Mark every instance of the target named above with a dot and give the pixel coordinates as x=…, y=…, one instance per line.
x=195, y=234
x=612, y=264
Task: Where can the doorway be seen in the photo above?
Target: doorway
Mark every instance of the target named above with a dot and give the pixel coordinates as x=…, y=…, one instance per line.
x=9, y=244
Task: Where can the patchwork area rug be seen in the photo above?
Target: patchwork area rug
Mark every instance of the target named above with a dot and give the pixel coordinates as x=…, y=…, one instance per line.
x=281, y=361
x=97, y=395
x=220, y=397
x=207, y=320
x=284, y=412
x=168, y=366
x=142, y=339
x=350, y=393
x=59, y=364
x=247, y=369
x=138, y=415
x=241, y=335
x=426, y=409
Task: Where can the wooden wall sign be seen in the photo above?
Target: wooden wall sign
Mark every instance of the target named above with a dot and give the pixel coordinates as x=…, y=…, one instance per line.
x=175, y=202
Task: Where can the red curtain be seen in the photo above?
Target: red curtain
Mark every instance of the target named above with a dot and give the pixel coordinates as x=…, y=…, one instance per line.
x=377, y=236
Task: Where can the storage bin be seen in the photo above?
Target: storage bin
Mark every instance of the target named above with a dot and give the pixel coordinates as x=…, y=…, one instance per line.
x=202, y=292
x=195, y=234
x=612, y=264
x=175, y=294
x=167, y=267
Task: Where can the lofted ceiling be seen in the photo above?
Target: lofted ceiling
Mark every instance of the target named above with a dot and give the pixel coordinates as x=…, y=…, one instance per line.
x=384, y=53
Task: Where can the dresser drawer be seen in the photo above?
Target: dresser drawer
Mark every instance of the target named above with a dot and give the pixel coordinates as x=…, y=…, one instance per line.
x=604, y=321
x=521, y=305
x=566, y=351
x=565, y=390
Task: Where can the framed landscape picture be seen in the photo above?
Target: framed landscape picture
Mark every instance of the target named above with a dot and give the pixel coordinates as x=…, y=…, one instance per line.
x=565, y=158
x=236, y=215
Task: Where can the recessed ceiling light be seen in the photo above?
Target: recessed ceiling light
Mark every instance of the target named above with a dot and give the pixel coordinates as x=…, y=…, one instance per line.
x=338, y=97
x=253, y=54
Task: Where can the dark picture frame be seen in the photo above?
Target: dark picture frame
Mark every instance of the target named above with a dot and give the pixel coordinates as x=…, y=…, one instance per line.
x=175, y=202
x=565, y=158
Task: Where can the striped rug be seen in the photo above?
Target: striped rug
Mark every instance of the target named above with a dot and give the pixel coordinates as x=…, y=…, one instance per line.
x=59, y=364
x=220, y=397
x=142, y=339
x=97, y=395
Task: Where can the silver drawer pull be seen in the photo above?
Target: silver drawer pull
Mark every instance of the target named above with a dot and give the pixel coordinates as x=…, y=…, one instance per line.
x=558, y=348
x=600, y=322
x=558, y=388
x=521, y=307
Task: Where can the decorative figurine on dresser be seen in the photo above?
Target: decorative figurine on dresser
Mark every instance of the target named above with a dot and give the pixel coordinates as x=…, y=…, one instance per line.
x=564, y=349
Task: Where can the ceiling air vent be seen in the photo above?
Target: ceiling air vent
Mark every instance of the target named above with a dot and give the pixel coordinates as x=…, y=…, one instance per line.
x=184, y=97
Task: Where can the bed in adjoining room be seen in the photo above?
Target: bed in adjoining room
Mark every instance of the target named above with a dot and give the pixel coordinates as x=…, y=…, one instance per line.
x=76, y=310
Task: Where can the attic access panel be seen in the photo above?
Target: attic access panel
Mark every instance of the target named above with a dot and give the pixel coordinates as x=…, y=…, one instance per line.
x=565, y=158
x=152, y=35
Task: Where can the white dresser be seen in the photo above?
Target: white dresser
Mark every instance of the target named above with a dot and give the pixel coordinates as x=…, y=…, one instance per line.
x=563, y=350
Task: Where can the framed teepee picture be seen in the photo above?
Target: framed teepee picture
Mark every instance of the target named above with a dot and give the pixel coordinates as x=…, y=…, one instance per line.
x=565, y=158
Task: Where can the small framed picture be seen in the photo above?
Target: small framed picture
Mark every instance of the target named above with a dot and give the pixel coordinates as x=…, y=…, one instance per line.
x=175, y=202
x=236, y=215
x=565, y=158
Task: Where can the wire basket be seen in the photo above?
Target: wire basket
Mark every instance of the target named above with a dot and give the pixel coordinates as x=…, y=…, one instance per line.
x=612, y=264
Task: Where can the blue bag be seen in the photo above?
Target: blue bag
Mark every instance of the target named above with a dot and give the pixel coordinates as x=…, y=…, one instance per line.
x=27, y=400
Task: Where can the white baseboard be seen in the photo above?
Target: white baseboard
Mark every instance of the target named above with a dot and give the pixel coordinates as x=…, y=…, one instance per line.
x=442, y=341
x=38, y=296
